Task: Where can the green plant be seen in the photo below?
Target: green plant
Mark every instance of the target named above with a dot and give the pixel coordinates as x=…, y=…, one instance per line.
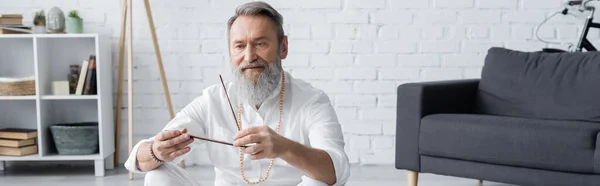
x=74, y=14
x=39, y=18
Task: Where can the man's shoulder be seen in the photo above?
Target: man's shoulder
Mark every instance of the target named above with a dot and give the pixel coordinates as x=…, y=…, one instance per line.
x=210, y=93
x=307, y=91
x=213, y=89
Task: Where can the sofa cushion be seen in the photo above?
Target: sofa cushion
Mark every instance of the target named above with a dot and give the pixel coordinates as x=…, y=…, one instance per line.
x=543, y=144
x=540, y=85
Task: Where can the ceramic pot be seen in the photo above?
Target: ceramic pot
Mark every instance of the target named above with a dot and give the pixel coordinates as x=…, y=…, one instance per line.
x=74, y=25
x=76, y=138
x=39, y=29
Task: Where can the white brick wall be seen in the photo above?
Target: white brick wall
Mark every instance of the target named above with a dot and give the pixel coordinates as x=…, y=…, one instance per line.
x=358, y=51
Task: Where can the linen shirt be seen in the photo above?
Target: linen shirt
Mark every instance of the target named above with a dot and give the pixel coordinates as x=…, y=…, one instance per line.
x=308, y=118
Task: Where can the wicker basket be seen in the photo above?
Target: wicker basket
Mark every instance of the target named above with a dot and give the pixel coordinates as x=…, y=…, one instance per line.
x=17, y=88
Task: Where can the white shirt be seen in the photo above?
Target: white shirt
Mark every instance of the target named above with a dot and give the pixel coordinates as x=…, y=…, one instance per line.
x=308, y=118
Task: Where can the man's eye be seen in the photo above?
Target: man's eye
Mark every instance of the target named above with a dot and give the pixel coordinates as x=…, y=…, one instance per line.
x=260, y=44
x=239, y=46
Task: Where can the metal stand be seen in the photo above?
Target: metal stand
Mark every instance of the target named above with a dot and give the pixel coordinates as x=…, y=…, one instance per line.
x=584, y=43
x=126, y=33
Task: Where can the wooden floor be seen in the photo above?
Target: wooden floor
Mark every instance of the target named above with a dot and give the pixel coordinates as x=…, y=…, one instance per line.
x=71, y=175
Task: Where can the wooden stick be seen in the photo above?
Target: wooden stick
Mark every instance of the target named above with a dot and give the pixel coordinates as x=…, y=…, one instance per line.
x=216, y=141
x=130, y=78
x=120, y=82
x=159, y=58
x=229, y=100
x=160, y=63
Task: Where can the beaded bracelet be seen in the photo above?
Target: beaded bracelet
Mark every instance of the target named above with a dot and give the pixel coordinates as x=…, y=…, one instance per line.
x=152, y=154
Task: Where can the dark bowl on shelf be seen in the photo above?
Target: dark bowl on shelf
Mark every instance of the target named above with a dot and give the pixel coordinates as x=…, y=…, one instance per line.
x=76, y=138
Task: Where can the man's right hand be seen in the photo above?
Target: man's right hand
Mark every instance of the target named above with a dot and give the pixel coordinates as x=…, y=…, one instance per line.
x=171, y=144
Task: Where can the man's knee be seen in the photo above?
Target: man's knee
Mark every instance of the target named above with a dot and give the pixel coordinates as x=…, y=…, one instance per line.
x=162, y=176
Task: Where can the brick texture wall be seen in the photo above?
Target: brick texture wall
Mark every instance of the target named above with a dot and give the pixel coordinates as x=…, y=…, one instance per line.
x=358, y=51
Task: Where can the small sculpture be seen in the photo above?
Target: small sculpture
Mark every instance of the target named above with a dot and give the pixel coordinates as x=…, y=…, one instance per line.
x=56, y=20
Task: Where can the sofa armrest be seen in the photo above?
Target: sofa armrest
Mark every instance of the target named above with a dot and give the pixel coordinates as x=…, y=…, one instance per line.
x=417, y=100
x=597, y=155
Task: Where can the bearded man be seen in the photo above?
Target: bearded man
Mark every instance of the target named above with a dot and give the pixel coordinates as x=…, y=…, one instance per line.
x=284, y=131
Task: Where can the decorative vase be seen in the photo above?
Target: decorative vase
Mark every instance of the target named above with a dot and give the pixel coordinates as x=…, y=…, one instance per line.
x=55, y=20
x=73, y=77
x=74, y=25
x=39, y=29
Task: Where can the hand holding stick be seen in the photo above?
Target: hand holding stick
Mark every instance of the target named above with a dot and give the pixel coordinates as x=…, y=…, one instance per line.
x=216, y=141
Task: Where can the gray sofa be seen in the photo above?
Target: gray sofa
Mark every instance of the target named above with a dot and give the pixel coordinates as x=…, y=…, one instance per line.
x=532, y=119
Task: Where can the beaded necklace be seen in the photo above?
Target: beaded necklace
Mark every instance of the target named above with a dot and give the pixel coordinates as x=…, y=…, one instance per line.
x=239, y=126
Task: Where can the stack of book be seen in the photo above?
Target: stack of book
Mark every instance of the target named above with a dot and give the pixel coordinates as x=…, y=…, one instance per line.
x=18, y=142
x=87, y=78
x=13, y=24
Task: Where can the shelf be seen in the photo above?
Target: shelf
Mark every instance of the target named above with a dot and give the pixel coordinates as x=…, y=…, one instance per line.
x=70, y=97
x=18, y=114
x=17, y=97
x=65, y=35
x=52, y=97
x=21, y=158
x=47, y=35
x=48, y=58
x=52, y=157
x=54, y=62
x=17, y=57
x=16, y=35
x=72, y=157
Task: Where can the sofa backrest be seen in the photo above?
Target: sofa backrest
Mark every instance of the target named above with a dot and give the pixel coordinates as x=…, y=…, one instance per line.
x=563, y=86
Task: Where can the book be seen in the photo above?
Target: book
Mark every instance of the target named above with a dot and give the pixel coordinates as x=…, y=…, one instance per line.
x=89, y=87
x=14, y=30
x=11, y=19
x=82, y=74
x=16, y=143
x=19, y=16
x=18, y=133
x=19, y=151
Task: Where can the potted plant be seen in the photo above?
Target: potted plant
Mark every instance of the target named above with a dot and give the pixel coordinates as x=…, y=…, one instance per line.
x=74, y=22
x=39, y=22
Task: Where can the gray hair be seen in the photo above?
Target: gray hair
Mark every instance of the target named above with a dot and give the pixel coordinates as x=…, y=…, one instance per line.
x=259, y=8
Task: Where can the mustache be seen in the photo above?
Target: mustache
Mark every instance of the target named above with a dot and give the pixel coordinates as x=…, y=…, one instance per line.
x=254, y=64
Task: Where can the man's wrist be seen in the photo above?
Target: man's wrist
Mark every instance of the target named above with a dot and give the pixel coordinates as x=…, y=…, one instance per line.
x=152, y=155
x=291, y=148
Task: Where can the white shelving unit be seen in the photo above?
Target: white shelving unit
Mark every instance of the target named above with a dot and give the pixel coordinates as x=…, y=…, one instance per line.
x=47, y=57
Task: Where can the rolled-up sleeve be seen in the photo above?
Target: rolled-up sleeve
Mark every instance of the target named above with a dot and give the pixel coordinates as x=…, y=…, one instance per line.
x=325, y=133
x=190, y=117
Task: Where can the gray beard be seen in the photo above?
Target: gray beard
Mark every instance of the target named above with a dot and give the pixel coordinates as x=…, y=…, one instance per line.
x=255, y=92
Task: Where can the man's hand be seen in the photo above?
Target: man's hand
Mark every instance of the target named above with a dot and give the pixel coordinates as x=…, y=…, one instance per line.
x=171, y=144
x=269, y=144
x=314, y=163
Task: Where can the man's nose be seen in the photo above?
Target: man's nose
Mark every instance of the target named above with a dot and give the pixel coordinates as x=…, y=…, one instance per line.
x=250, y=54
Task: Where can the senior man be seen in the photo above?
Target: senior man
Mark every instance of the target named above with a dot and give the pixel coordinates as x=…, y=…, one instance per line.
x=289, y=129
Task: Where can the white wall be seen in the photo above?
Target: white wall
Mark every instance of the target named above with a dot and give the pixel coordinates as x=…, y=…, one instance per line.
x=358, y=51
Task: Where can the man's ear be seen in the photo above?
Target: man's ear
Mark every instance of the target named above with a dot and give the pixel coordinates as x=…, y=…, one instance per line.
x=284, y=47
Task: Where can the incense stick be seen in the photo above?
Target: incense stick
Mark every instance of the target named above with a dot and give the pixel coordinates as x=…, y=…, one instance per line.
x=229, y=100
x=216, y=141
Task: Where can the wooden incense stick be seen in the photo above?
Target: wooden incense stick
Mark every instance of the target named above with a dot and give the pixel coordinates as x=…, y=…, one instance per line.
x=229, y=100
x=212, y=140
